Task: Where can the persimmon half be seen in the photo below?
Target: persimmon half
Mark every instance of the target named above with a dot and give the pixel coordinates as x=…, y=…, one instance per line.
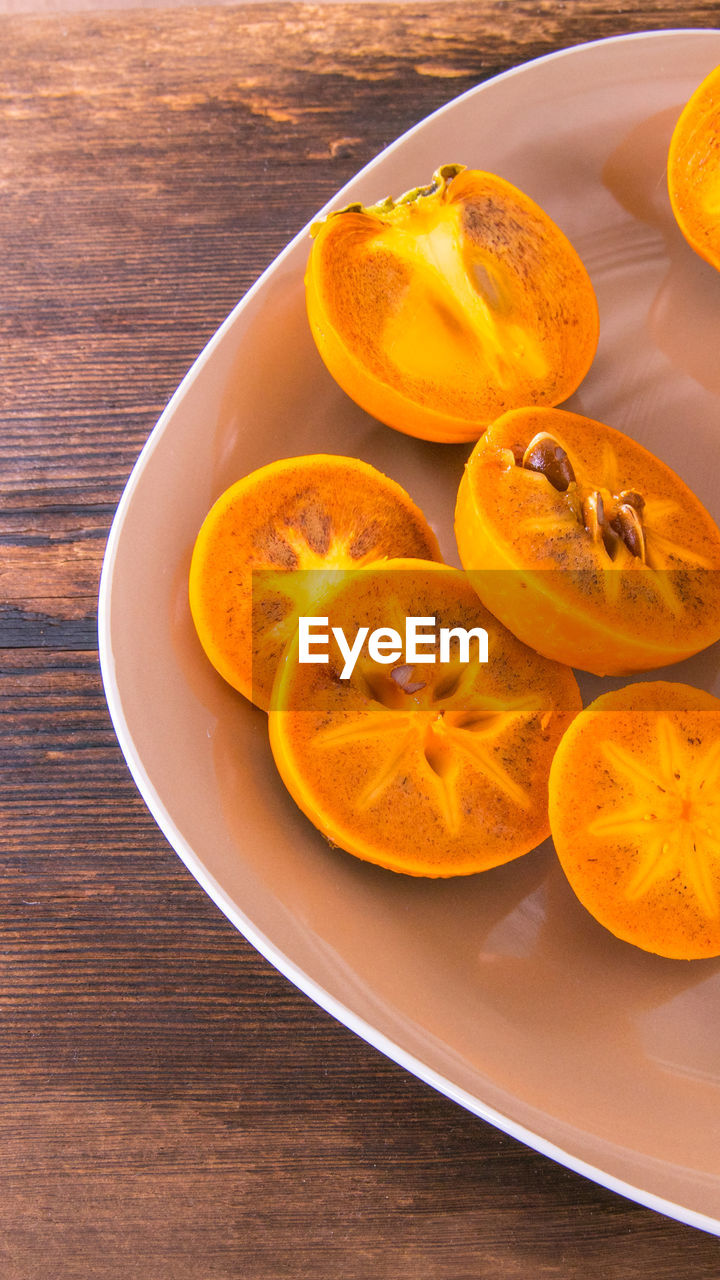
x=433, y=767
x=313, y=514
x=440, y=310
x=586, y=545
x=635, y=816
x=694, y=170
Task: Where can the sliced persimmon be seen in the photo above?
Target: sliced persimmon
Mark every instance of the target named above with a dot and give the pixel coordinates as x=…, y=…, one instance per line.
x=320, y=512
x=694, y=170
x=586, y=545
x=438, y=311
x=433, y=768
x=635, y=816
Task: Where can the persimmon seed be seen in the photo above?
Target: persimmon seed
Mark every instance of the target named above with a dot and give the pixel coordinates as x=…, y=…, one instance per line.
x=628, y=525
x=545, y=455
x=632, y=498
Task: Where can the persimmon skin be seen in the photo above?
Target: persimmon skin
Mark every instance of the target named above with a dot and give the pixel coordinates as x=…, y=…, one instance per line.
x=318, y=512
x=694, y=170
x=440, y=310
x=444, y=777
x=635, y=819
x=536, y=567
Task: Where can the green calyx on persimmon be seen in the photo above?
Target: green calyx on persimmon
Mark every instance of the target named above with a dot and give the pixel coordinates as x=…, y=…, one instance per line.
x=440, y=310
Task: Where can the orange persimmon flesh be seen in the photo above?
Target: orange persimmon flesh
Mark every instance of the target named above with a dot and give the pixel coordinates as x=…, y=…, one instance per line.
x=616, y=572
x=320, y=512
x=438, y=311
x=635, y=816
x=694, y=170
x=432, y=769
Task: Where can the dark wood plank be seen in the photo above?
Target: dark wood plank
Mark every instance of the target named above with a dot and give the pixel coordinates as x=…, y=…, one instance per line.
x=170, y=1107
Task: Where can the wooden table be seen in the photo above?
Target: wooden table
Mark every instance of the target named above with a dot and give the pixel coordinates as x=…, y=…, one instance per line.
x=170, y=1107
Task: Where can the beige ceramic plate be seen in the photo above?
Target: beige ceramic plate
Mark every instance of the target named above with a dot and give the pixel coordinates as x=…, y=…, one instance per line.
x=499, y=990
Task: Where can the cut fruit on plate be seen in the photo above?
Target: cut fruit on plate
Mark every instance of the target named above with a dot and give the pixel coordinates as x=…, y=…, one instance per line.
x=315, y=513
x=430, y=767
x=635, y=816
x=586, y=545
x=694, y=170
x=440, y=310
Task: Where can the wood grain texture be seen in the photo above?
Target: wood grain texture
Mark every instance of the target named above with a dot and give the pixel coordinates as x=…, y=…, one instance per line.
x=170, y=1107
